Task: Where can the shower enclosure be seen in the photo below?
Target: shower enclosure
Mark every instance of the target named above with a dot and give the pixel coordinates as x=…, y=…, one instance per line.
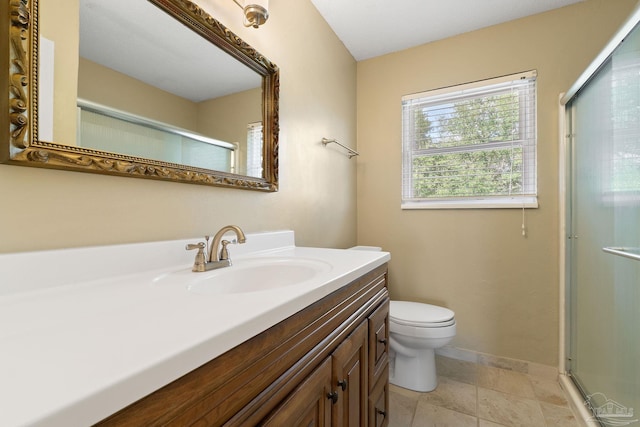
x=602, y=233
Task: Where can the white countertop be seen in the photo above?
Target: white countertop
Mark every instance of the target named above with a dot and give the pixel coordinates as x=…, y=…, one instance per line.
x=85, y=332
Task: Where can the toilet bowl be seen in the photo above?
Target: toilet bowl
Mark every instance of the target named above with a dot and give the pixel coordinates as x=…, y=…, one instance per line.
x=415, y=331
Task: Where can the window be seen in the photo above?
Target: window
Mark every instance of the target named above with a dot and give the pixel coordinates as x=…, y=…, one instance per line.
x=254, y=149
x=472, y=145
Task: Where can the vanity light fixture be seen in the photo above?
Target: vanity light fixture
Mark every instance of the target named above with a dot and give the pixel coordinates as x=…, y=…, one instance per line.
x=256, y=12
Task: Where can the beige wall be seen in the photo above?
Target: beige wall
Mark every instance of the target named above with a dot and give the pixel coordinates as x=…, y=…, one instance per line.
x=226, y=118
x=232, y=113
x=44, y=209
x=503, y=287
x=105, y=86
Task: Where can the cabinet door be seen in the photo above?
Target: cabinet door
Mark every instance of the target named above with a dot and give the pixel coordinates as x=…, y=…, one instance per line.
x=309, y=405
x=349, y=379
x=378, y=343
x=379, y=401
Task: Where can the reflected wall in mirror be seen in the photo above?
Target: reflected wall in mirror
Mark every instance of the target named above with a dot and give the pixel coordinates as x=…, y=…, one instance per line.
x=158, y=89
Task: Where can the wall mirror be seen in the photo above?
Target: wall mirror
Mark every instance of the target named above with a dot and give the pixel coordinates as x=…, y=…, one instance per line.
x=141, y=88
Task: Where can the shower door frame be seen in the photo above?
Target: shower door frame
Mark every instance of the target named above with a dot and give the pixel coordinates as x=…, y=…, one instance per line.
x=565, y=180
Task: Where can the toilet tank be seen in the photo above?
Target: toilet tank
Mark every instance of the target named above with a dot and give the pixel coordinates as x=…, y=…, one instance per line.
x=366, y=248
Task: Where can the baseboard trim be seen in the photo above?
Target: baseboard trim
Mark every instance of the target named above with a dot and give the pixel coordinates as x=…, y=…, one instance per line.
x=523, y=366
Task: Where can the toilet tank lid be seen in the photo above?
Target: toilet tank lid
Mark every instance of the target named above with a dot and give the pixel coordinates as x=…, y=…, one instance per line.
x=407, y=312
x=366, y=248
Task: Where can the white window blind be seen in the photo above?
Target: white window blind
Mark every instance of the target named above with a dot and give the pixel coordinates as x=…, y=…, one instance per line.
x=472, y=145
x=254, y=149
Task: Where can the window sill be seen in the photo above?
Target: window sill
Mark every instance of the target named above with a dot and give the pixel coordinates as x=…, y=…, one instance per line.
x=527, y=202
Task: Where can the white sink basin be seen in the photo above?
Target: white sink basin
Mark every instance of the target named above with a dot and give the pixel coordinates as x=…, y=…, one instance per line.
x=250, y=275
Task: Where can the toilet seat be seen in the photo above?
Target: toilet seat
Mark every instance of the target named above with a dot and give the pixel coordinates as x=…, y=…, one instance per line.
x=419, y=315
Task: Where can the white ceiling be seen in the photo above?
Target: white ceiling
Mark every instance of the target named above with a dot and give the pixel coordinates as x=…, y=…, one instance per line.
x=138, y=39
x=114, y=34
x=370, y=28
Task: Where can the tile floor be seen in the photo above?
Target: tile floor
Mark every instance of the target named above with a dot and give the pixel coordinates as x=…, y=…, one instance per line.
x=477, y=395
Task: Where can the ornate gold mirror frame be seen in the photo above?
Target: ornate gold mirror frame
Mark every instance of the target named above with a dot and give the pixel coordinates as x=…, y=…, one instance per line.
x=21, y=146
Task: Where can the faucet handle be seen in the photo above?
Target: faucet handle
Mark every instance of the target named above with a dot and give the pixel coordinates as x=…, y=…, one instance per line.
x=224, y=252
x=191, y=246
x=199, y=263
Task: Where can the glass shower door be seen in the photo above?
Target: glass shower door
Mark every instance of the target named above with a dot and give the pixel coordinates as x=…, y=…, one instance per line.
x=604, y=238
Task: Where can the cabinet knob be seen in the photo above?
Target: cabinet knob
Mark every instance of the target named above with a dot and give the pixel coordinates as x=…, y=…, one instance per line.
x=381, y=412
x=333, y=396
x=343, y=384
x=382, y=340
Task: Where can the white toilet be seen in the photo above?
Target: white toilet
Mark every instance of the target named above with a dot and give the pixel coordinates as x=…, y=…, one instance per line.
x=415, y=331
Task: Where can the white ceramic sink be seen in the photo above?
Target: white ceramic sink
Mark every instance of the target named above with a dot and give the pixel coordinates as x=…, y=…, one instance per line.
x=250, y=275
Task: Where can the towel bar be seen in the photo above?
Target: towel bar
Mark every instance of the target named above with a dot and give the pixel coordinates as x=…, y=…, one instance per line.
x=351, y=153
x=633, y=253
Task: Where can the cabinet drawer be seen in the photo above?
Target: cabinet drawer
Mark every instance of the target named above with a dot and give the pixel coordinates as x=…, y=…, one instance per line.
x=379, y=401
x=378, y=342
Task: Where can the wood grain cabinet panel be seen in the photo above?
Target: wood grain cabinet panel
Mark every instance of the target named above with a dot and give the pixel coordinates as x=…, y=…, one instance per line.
x=378, y=343
x=309, y=404
x=341, y=394
x=281, y=376
x=349, y=381
x=379, y=402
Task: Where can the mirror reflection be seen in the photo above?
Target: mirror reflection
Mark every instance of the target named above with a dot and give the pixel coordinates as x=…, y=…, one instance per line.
x=146, y=86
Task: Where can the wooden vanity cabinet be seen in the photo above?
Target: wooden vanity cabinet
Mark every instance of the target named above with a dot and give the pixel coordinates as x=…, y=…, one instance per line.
x=326, y=365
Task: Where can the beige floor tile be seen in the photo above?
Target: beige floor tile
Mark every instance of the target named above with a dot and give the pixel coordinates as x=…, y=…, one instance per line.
x=558, y=416
x=509, y=410
x=402, y=406
x=510, y=382
x=459, y=370
x=480, y=395
x=454, y=395
x=415, y=395
x=548, y=391
x=543, y=371
x=428, y=415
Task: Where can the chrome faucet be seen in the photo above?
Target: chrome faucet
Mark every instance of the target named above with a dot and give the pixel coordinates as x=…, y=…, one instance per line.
x=215, y=259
